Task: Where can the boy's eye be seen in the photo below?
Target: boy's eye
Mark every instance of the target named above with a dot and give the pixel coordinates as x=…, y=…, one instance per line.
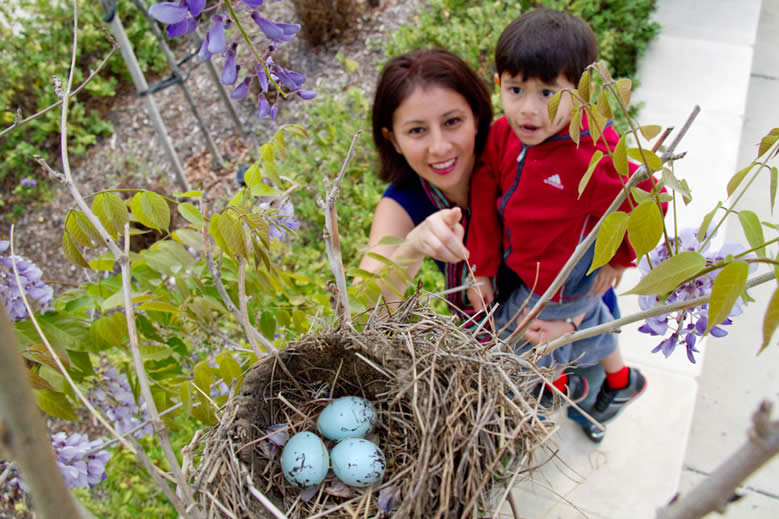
x=515, y=90
x=547, y=92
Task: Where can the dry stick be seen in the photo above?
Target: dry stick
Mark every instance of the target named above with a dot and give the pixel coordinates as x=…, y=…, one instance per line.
x=61, y=366
x=640, y=175
x=714, y=492
x=172, y=497
x=658, y=309
x=23, y=432
x=159, y=426
x=332, y=239
x=267, y=503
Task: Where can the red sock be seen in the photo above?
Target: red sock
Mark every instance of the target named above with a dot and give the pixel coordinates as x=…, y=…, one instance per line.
x=561, y=382
x=618, y=379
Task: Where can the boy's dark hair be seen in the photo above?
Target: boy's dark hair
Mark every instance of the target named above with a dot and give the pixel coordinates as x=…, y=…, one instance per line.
x=424, y=68
x=544, y=43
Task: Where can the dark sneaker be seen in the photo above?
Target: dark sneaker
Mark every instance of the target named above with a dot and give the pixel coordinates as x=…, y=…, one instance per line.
x=593, y=433
x=576, y=389
x=611, y=402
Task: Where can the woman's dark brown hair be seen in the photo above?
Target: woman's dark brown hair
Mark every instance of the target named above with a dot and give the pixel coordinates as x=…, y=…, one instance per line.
x=424, y=68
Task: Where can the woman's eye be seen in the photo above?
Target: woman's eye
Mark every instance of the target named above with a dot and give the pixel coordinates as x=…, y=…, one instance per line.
x=454, y=121
x=416, y=131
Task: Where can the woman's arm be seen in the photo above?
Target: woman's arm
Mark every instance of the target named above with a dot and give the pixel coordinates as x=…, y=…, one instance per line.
x=439, y=236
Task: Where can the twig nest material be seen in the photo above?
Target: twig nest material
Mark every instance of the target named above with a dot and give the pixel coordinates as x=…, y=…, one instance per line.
x=453, y=418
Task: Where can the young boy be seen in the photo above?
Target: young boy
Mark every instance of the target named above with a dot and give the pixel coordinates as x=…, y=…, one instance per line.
x=526, y=191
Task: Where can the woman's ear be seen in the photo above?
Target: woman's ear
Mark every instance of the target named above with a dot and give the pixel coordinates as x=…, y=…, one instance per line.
x=391, y=137
x=497, y=79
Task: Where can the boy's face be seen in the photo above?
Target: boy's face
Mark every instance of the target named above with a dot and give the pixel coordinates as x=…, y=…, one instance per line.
x=525, y=104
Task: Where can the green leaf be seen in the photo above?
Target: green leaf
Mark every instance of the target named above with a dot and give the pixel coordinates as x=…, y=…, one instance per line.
x=191, y=213
x=669, y=274
x=216, y=234
x=766, y=143
x=601, y=67
x=189, y=238
x=753, y=231
x=267, y=324
x=151, y=210
x=553, y=104
x=584, y=86
x=653, y=162
x=185, y=397
x=168, y=257
x=188, y=194
x=706, y=222
x=88, y=229
x=590, y=170
x=71, y=251
x=111, y=211
x=104, y=263
x=645, y=227
x=233, y=236
x=597, y=124
x=296, y=130
x=39, y=354
x=650, y=131
x=603, y=107
x=639, y=195
x=391, y=241
x=725, y=292
x=736, y=179
x=621, y=158
x=574, y=129
x=55, y=404
x=151, y=351
x=73, y=228
x=253, y=176
x=264, y=190
x=774, y=176
x=229, y=369
x=159, y=306
x=38, y=382
x=203, y=376
x=624, y=87
x=681, y=187
x=610, y=237
x=771, y=320
x=112, y=328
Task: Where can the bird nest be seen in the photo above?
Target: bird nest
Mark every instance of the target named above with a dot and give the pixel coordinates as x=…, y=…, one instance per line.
x=456, y=418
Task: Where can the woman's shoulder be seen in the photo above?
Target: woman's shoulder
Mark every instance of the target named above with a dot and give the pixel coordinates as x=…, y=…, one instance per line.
x=412, y=198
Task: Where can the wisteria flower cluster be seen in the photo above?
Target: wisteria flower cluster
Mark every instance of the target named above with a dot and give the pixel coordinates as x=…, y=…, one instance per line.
x=30, y=277
x=686, y=325
x=115, y=398
x=227, y=23
x=81, y=462
x=283, y=220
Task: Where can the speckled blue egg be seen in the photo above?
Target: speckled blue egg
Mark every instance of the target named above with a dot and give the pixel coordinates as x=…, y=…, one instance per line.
x=358, y=462
x=304, y=460
x=347, y=417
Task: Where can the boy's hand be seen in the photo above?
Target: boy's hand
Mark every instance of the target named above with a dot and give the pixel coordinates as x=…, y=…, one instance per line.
x=608, y=276
x=481, y=295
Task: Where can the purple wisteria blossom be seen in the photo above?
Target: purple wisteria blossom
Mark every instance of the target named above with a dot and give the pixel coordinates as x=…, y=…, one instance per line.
x=283, y=221
x=117, y=401
x=687, y=325
x=30, y=276
x=29, y=182
x=183, y=17
x=81, y=462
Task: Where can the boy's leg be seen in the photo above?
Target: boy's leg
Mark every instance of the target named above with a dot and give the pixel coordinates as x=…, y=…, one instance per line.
x=621, y=386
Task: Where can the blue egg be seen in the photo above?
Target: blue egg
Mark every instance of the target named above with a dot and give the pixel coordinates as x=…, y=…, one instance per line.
x=304, y=460
x=347, y=417
x=358, y=462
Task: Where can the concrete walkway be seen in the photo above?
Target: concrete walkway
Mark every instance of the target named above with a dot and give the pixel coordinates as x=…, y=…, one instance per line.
x=721, y=55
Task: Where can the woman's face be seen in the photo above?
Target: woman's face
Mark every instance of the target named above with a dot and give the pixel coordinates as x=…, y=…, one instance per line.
x=435, y=130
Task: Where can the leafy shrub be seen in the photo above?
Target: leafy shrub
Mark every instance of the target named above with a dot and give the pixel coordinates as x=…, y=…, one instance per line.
x=36, y=45
x=324, y=21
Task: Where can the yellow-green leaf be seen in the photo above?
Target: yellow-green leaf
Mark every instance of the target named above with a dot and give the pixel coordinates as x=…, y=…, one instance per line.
x=610, y=237
x=645, y=227
x=624, y=87
x=669, y=274
x=706, y=222
x=653, y=162
x=774, y=176
x=771, y=320
x=229, y=369
x=185, y=397
x=603, y=106
x=253, y=176
x=233, y=235
x=159, y=306
x=88, y=229
x=189, y=238
x=267, y=324
x=584, y=86
x=214, y=229
x=575, y=128
x=681, y=187
x=753, y=230
x=736, y=179
x=191, y=213
x=639, y=195
x=650, y=131
x=264, y=190
x=111, y=211
x=74, y=229
x=151, y=210
x=604, y=71
x=188, y=194
x=597, y=125
x=621, y=158
x=590, y=169
x=71, y=251
x=766, y=143
x=203, y=376
x=269, y=168
x=552, y=105
x=296, y=130
x=725, y=292
x=55, y=404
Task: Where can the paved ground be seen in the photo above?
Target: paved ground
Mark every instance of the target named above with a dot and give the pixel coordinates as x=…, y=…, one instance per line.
x=721, y=55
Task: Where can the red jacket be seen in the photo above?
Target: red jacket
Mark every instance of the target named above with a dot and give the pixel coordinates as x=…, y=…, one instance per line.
x=529, y=196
